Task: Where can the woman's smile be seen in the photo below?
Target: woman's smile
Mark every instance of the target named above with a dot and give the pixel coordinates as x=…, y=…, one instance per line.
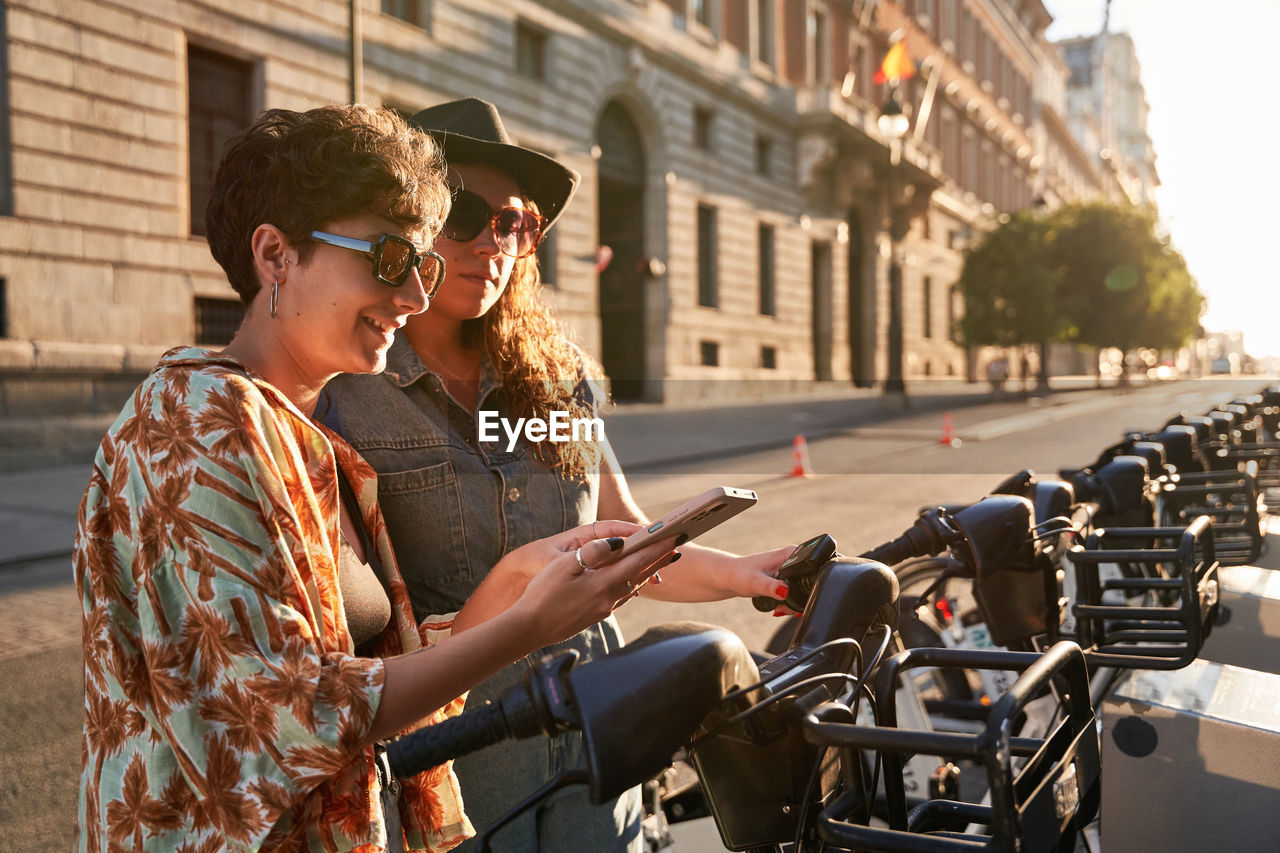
x=385, y=329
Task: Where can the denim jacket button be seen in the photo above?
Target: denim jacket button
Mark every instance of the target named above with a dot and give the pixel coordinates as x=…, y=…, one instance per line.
x=513, y=494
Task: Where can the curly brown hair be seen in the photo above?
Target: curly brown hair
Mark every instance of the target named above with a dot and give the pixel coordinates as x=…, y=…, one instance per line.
x=299, y=170
x=540, y=368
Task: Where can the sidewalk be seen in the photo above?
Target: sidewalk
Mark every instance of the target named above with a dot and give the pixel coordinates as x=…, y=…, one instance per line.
x=647, y=436
x=38, y=507
x=38, y=512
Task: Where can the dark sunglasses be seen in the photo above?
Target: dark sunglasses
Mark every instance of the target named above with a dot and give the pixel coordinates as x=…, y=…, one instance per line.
x=393, y=257
x=517, y=232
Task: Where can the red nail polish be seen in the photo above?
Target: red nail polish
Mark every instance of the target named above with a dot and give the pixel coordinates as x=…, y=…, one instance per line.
x=778, y=611
x=781, y=591
x=797, y=615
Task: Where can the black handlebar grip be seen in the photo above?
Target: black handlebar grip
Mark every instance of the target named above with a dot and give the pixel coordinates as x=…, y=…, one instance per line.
x=434, y=745
x=918, y=541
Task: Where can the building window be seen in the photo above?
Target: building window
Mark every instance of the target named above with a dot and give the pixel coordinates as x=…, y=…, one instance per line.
x=768, y=299
x=769, y=358
x=968, y=37
x=217, y=320
x=710, y=353
x=703, y=120
x=764, y=31
x=531, y=51
x=988, y=69
x=547, y=260
x=220, y=103
x=925, y=14
x=4, y=308
x=950, y=143
x=819, y=47
x=952, y=295
x=704, y=12
x=764, y=156
x=409, y=11
x=970, y=152
x=928, y=307
x=947, y=21
x=708, y=295
x=933, y=127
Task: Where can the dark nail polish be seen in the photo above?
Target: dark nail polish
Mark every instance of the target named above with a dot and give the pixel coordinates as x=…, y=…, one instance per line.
x=674, y=557
x=615, y=542
x=681, y=539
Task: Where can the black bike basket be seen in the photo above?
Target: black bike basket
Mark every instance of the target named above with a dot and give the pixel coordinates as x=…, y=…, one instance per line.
x=1233, y=501
x=1156, y=608
x=1042, y=789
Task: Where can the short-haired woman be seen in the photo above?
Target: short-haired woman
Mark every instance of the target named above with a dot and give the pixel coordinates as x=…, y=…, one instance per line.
x=248, y=637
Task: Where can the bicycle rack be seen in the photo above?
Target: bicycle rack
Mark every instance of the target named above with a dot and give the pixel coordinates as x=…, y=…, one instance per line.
x=1233, y=501
x=1183, y=577
x=1035, y=803
x=1256, y=422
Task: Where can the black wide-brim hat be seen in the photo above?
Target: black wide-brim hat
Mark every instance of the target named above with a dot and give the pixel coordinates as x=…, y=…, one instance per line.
x=470, y=131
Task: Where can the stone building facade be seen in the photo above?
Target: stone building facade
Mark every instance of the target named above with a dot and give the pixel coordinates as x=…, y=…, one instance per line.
x=1107, y=111
x=763, y=237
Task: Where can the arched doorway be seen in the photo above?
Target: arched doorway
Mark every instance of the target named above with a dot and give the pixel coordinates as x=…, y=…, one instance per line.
x=621, y=171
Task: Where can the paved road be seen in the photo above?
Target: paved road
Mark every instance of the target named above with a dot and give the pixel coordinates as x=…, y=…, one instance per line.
x=40, y=702
x=871, y=479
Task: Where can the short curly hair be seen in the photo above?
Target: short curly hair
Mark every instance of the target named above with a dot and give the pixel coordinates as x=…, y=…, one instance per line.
x=298, y=170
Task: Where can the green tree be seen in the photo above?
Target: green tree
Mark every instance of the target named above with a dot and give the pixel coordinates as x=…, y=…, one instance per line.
x=1010, y=286
x=1176, y=301
x=1094, y=274
x=1005, y=282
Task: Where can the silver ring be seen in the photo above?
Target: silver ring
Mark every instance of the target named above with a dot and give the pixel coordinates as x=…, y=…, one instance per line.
x=593, y=530
x=578, y=554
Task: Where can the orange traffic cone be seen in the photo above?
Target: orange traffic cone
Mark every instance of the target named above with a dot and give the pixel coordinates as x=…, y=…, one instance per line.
x=800, y=458
x=948, y=432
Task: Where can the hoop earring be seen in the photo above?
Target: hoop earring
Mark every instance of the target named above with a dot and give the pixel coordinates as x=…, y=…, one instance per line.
x=275, y=294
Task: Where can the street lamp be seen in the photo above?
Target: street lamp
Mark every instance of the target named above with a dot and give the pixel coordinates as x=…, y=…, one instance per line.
x=893, y=125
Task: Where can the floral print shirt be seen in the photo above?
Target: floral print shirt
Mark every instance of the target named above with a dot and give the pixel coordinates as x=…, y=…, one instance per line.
x=225, y=708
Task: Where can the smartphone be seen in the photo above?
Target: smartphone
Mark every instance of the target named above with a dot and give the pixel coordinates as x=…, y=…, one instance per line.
x=693, y=518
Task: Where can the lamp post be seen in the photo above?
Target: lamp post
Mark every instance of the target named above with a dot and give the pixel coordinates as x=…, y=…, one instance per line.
x=893, y=125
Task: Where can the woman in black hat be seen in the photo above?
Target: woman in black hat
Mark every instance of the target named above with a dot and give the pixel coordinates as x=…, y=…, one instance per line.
x=454, y=503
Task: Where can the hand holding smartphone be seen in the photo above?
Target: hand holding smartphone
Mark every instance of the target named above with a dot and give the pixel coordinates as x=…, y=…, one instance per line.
x=693, y=518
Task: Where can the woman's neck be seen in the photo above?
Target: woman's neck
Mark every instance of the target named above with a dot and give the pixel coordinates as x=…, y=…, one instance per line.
x=265, y=356
x=444, y=347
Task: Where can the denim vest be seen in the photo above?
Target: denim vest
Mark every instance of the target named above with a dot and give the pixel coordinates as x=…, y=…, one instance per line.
x=453, y=505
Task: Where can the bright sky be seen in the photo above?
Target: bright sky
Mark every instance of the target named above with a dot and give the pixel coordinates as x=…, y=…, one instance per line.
x=1210, y=75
